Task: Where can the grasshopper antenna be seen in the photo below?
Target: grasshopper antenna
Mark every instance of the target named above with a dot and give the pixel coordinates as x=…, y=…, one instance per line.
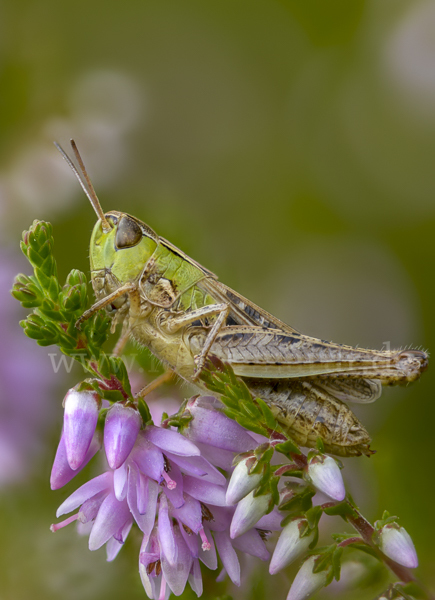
x=90, y=193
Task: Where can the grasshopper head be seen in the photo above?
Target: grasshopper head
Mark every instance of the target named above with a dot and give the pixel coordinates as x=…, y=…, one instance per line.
x=121, y=245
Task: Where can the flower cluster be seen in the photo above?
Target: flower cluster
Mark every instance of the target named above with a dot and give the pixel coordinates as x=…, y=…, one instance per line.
x=163, y=482
x=172, y=486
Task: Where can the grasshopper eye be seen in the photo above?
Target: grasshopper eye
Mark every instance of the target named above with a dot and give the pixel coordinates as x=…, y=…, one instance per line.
x=128, y=233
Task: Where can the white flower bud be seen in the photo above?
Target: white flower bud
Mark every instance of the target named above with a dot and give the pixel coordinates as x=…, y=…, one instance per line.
x=290, y=545
x=324, y=473
x=306, y=583
x=249, y=510
x=241, y=482
x=396, y=543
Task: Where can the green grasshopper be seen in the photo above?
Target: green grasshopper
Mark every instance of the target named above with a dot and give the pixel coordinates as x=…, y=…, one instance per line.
x=179, y=310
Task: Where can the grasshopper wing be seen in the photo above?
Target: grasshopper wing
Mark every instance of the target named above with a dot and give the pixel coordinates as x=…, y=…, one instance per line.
x=358, y=391
x=271, y=353
x=242, y=310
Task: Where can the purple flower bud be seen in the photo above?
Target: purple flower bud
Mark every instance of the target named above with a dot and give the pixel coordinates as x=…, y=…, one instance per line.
x=210, y=426
x=79, y=423
x=396, y=543
x=306, y=583
x=324, y=474
x=249, y=510
x=290, y=545
x=241, y=482
x=120, y=433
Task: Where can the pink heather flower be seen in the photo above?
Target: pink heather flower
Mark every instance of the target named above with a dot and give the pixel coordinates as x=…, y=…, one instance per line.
x=324, y=474
x=210, y=426
x=120, y=431
x=290, y=545
x=396, y=543
x=61, y=472
x=242, y=482
x=306, y=583
x=79, y=423
x=177, y=498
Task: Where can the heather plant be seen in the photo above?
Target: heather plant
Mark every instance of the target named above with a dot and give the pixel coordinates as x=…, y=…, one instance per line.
x=215, y=480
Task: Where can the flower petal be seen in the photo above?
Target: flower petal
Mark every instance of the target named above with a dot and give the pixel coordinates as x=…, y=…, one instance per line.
x=271, y=521
x=195, y=578
x=87, y=490
x=208, y=557
x=192, y=541
x=212, y=427
x=120, y=482
x=148, y=458
x=204, y=491
x=175, y=494
x=166, y=532
x=142, y=491
x=252, y=543
x=222, y=517
x=114, y=545
x=170, y=441
x=198, y=466
x=61, y=473
x=145, y=520
x=221, y=458
x=190, y=513
x=228, y=556
x=176, y=574
x=111, y=517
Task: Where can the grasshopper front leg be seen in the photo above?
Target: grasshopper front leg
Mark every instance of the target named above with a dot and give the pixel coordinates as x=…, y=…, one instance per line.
x=129, y=288
x=173, y=324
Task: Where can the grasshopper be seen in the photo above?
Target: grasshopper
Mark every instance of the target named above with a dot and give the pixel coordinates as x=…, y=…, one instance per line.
x=179, y=310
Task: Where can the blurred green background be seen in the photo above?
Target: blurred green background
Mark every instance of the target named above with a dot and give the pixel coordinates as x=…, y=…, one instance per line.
x=289, y=146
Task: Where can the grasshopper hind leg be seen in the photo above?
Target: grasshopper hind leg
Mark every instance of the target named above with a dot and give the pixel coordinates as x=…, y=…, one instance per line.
x=309, y=412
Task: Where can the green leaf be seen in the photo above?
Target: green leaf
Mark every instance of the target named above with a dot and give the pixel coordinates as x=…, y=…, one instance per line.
x=287, y=448
x=320, y=445
x=144, y=412
x=342, y=509
x=251, y=425
x=313, y=516
x=336, y=562
x=230, y=403
x=113, y=395
x=268, y=416
x=363, y=547
x=299, y=503
x=324, y=560
x=249, y=408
